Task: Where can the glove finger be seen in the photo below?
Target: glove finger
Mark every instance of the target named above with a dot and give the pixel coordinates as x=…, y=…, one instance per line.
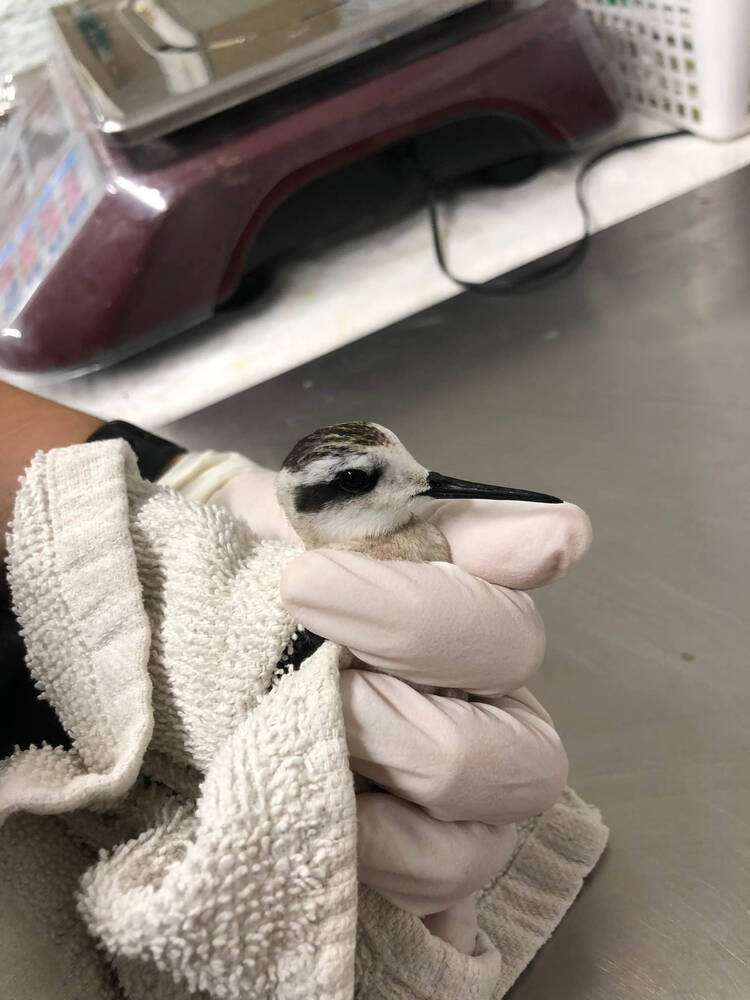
x=514, y=544
x=431, y=623
x=457, y=925
x=492, y=763
x=422, y=864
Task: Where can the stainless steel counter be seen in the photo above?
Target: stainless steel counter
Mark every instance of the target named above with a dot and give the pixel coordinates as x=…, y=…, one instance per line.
x=624, y=388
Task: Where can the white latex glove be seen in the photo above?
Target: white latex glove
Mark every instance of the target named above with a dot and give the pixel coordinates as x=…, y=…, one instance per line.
x=461, y=773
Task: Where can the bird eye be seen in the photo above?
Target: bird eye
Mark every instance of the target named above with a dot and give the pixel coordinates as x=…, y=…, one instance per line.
x=354, y=481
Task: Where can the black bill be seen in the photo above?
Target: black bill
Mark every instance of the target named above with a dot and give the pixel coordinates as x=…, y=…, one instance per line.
x=446, y=488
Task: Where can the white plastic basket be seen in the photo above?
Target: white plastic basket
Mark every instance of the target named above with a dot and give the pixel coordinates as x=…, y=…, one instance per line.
x=687, y=61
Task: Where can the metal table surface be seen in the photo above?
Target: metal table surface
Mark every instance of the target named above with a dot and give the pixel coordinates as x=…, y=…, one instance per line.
x=623, y=387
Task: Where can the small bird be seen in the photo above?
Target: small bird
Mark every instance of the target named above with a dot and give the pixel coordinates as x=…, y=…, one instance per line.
x=354, y=486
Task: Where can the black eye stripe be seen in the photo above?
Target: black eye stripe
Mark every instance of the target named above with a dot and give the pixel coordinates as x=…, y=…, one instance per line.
x=311, y=499
x=316, y=496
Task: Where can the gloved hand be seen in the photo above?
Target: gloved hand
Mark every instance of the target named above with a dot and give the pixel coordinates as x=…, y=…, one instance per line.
x=462, y=773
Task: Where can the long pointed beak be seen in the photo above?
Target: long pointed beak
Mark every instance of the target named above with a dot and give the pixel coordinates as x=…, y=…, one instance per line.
x=446, y=488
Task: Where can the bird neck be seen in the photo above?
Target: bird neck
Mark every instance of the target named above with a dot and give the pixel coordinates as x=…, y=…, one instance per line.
x=415, y=541
x=332, y=532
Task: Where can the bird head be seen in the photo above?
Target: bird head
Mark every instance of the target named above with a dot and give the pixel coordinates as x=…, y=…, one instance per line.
x=356, y=480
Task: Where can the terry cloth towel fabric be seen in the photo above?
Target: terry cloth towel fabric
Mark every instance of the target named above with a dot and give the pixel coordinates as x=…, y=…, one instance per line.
x=199, y=836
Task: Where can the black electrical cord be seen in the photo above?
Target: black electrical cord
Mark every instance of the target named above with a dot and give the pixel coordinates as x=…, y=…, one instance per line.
x=556, y=268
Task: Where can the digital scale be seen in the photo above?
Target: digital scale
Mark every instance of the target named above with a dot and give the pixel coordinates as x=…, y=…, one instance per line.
x=174, y=148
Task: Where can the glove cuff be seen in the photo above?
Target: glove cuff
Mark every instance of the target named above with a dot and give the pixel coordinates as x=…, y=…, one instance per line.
x=197, y=475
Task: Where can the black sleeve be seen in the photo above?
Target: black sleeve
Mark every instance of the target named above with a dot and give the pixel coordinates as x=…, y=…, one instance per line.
x=152, y=453
x=25, y=720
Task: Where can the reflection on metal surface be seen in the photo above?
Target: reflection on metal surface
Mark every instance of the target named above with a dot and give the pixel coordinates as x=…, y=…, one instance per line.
x=7, y=98
x=162, y=22
x=224, y=43
x=183, y=71
x=149, y=67
x=149, y=196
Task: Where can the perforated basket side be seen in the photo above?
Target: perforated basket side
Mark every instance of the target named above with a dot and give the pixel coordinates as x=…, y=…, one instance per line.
x=686, y=61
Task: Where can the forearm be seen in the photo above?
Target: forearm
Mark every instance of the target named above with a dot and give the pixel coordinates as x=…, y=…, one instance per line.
x=29, y=423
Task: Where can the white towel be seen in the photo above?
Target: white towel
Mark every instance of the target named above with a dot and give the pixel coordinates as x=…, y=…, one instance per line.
x=205, y=831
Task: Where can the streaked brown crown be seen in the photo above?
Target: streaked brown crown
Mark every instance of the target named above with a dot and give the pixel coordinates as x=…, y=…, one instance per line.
x=329, y=442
